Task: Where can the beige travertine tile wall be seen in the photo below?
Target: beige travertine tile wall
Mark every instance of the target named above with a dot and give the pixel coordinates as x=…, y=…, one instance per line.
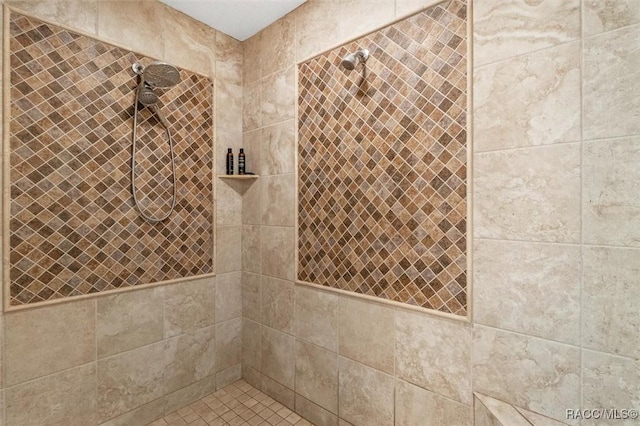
x=556, y=214
x=125, y=359
x=298, y=341
x=556, y=254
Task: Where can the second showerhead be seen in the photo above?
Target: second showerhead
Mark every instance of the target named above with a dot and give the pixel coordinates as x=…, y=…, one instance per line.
x=352, y=60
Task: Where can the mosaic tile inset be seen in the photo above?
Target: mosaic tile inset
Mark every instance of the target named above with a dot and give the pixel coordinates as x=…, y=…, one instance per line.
x=73, y=226
x=382, y=164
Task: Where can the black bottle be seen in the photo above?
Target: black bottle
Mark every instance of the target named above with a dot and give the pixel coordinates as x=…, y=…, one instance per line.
x=241, y=162
x=229, y=161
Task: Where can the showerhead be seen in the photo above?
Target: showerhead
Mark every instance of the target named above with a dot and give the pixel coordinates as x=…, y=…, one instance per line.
x=146, y=94
x=157, y=74
x=161, y=74
x=351, y=61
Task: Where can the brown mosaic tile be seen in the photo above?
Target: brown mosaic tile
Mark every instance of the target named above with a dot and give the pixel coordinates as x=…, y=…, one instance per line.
x=382, y=164
x=73, y=227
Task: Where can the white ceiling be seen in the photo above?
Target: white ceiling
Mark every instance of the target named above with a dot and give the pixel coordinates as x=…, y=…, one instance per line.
x=238, y=18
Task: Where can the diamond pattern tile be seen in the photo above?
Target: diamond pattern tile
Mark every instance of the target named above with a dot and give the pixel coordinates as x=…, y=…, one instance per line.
x=382, y=164
x=73, y=227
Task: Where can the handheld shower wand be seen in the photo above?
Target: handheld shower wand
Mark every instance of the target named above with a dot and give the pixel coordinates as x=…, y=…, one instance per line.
x=156, y=74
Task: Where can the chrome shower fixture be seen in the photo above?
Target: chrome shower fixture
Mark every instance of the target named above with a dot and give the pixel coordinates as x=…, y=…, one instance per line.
x=155, y=75
x=351, y=61
x=158, y=74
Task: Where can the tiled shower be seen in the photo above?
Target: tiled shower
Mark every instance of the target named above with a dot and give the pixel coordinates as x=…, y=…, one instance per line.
x=445, y=241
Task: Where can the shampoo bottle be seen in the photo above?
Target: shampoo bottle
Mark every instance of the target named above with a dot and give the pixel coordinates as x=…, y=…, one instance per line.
x=241, y=168
x=229, y=161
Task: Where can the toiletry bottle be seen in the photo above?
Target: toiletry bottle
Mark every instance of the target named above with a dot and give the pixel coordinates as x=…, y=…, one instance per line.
x=229, y=161
x=241, y=162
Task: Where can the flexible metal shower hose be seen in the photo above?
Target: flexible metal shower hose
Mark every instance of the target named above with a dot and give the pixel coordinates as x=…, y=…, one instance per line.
x=136, y=203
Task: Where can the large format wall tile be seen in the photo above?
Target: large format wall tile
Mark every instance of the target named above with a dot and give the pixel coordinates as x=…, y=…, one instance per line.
x=129, y=320
x=229, y=113
x=130, y=379
x=142, y=415
x=278, y=47
x=252, y=142
x=228, y=376
x=382, y=163
x=529, y=100
x=316, y=375
x=365, y=395
x=366, y=333
x=251, y=342
x=278, y=252
x=530, y=288
x=228, y=296
x=611, y=200
x=610, y=382
x=359, y=17
x=277, y=305
x=314, y=413
x=252, y=198
x=251, y=106
x=42, y=341
x=277, y=391
x=189, y=358
x=316, y=317
x=67, y=398
x=278, y=96
x=434, y=354
x=537, y=374
x=528, y=194
x=416, y=406
x=185, y=396
x=602, y=16
x=189, y=42
x=493, y=412
x=228, y=344
x=315, y=33
x=278, y=149
x=132, y=24
x=251, y=289
x=507, y=28
x=229, y=59
x=278, y=356
x=251, y=58
x=251, y=249
x=228, y=249
x=611, y=296
x=278, y=200
x=189, y=306
x=611, y=84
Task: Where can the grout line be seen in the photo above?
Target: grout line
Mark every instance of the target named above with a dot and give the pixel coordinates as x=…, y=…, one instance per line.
x=520, y=333
x=626, y=27
x=519, y=148
x=581, y=198
x=584, y=245
x=520, y=55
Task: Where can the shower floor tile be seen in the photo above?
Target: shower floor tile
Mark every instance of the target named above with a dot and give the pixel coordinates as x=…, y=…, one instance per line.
x=238, y=404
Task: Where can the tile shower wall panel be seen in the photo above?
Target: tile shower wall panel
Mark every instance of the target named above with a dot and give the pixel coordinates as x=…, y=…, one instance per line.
x=73, y=226
x=382, y=164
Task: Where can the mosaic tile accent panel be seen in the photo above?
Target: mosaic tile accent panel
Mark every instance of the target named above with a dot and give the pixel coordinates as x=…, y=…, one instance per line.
x=73, y=227
x=382, y=164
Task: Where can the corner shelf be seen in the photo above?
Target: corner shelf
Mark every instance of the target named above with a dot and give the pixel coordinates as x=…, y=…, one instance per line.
x=239, y=177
